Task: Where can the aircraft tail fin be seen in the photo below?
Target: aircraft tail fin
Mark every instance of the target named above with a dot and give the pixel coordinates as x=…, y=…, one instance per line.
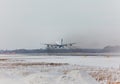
x=61, y=41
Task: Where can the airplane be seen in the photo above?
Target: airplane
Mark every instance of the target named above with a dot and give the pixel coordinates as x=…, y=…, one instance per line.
x=59, y=45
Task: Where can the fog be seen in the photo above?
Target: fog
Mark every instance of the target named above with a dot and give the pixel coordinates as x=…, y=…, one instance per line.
x=31, y=23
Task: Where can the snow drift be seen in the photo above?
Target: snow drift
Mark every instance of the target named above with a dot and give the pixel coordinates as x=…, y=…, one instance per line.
x=72, y=77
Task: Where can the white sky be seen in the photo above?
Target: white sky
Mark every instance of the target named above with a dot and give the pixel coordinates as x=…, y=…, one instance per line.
x=27, y=23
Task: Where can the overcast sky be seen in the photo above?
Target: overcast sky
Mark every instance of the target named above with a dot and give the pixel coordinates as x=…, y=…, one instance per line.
x=28, y=23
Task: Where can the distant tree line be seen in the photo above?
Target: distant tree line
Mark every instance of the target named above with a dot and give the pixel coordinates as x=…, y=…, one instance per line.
x=105, y=49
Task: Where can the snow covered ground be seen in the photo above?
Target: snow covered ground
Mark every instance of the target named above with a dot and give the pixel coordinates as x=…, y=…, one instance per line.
x=24, y=69
x=103, y=61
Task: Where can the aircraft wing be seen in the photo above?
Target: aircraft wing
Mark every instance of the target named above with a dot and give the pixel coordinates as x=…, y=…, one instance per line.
x=69, y=44
x=51, y=44
x=47, y=44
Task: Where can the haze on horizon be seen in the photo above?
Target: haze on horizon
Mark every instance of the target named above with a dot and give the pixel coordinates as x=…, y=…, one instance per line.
x=28, y=23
